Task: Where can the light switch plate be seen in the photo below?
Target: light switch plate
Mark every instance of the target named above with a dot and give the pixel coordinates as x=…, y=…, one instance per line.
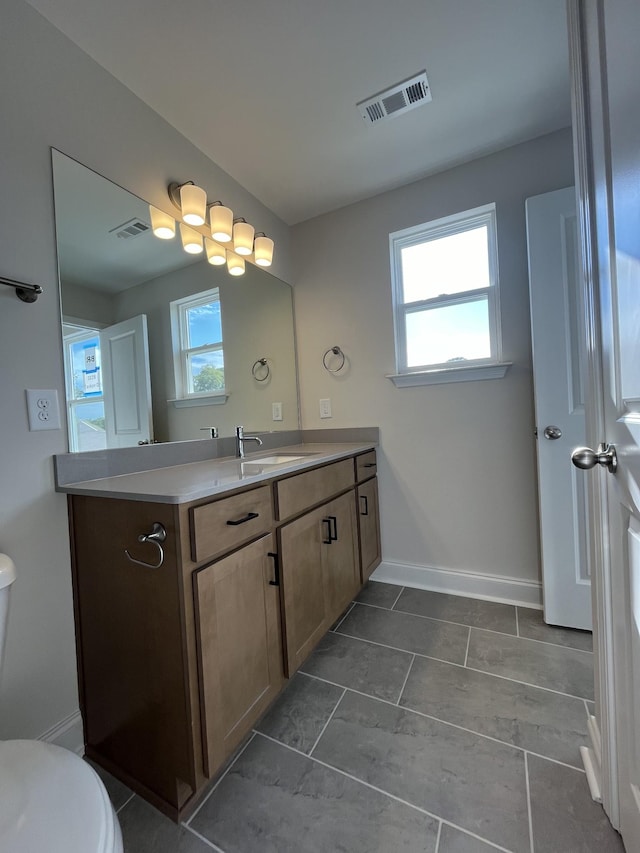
x=325, y=408
x=42, y=406
x=276, y=409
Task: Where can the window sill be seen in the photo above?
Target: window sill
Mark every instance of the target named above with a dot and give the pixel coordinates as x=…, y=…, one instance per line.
x=207, y=400
x=450, y=374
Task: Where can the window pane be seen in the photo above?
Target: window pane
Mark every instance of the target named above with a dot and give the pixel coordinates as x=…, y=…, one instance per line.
x=85, y=368
x=446, y=265
x=206, y=372
x=204, y=325
x=451, y=334
x=87, y=423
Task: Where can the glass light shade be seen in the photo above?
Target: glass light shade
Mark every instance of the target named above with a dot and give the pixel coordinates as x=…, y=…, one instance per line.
x=221, y=219
x=235, y=264
x=162, y=225
x=263, y=251
x=243, y=238
x=191, y=240
x=193, y=204
x=216, y=254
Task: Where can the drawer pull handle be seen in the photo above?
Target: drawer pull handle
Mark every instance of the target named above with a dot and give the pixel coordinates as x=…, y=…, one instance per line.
x=276, y=569
x=156, y=537
x=369, y=465
x=329, y=538
x=333, y=536
x=366, y=505
x=236, y=521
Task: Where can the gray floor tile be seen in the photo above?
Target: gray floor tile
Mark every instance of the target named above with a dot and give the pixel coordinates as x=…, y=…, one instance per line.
x=528, y=717
x=274, y=800
x=117, y=790
x=301, y=712
x=454, y=841
x=531, y=624
x=145, y=830
x=379, y=594
x=455, y=608
x=404, y=631
x=362, y=666
x=591, y=707
x=564, y=817
x=469, y=780
x=566, y=670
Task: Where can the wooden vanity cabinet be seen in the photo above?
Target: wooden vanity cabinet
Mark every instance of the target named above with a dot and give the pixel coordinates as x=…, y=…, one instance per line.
x=369, y=528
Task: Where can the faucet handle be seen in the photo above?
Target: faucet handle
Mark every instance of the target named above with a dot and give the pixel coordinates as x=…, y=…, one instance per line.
x=239, y=431
x=213, y=431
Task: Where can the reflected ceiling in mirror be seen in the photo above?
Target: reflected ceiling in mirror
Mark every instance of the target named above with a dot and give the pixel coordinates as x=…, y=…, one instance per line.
x=113, y=269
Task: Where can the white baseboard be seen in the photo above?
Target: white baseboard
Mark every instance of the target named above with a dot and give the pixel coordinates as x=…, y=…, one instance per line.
x=471, y=584
x=67, y=733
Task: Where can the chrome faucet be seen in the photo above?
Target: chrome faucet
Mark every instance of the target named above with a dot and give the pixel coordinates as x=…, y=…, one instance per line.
x=240, y=440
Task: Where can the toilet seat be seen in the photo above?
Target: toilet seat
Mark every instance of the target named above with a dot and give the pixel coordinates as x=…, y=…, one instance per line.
x=51, y=800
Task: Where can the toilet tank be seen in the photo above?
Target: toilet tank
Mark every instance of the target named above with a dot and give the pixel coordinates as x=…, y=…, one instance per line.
x=7, y=577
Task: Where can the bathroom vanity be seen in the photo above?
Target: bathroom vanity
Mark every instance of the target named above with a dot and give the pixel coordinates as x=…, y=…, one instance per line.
x=178, y=661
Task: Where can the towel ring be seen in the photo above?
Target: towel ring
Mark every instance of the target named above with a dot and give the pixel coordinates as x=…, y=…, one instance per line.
x=255, y=370
x=156, y=537
x=334, y=351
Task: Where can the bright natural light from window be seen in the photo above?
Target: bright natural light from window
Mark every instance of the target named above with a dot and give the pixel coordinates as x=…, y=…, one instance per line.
x=197, y=333
x=445, y=291
x=85, y=403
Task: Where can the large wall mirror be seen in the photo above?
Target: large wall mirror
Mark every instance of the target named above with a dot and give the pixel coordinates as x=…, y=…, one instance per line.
x=159, y=344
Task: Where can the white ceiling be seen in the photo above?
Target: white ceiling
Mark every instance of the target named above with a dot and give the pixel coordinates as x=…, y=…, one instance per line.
x=268, y=90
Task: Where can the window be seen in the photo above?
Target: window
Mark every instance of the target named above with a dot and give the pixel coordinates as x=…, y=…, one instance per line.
x=445, y=291
x=197, y=341
x=83, y=380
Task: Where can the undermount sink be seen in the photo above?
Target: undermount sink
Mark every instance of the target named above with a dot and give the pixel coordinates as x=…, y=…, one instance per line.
x=277, y=459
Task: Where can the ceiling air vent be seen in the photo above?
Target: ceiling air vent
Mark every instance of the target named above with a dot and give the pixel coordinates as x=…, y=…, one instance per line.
x=398, y=99
x=130, y=228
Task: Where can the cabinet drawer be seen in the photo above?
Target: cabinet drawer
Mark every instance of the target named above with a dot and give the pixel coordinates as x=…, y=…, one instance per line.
x=226, y=523
x=366, y=466
x=297, y=493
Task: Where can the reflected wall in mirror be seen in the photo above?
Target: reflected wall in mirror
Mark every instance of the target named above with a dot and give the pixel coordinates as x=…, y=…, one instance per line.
x=129, y=298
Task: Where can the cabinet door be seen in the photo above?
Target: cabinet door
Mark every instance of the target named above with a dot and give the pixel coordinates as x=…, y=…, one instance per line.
x=238, y=625
x=303, y=596
x=341, y=568
x=369, y=526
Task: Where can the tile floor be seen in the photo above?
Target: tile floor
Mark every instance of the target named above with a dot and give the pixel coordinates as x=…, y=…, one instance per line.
x=422, y=722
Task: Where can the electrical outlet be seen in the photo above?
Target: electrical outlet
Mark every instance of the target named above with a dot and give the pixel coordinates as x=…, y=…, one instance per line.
x=276, y=410
x=43, y=410
x=325, y=408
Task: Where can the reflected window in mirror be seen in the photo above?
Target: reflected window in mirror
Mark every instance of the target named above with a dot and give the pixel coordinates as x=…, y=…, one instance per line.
x=197, y=345
x=85, y=399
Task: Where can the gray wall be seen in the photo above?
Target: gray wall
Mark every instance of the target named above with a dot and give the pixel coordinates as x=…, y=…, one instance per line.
x=53, y=94
x=457, y=473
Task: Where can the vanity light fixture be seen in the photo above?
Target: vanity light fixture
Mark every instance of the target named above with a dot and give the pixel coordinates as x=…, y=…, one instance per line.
x=191, y=240
x=162, y=225
x=235, y=264
x=190, y=200
x=242, y=236
x=263, y=250
x=221, y=221
x=216, y=254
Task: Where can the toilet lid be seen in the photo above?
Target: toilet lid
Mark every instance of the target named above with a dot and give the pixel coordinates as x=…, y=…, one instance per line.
x=50, y=799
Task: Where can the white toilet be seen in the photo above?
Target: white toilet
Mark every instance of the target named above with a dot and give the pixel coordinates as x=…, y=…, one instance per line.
x=51, y=801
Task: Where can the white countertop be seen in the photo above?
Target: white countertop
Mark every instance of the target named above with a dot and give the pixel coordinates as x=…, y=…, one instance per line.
x=184, y=483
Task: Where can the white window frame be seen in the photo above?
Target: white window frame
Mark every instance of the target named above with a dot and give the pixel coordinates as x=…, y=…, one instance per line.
x=484, y=368
x=75, y=404
x=182, y=353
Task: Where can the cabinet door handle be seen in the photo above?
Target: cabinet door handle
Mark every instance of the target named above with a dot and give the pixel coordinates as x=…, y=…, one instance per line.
x=276, y=569
x=369, y=465
x=234, y=522
x=329, y=538
x=333, y=536
x=366, y=505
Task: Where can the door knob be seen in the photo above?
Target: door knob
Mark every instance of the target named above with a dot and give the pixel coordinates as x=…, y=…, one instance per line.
x=585, y=458
x=552, y=433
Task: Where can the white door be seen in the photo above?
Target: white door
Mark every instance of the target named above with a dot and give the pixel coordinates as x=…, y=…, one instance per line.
x=126, y=382
x=609, y=170
x=557, y=332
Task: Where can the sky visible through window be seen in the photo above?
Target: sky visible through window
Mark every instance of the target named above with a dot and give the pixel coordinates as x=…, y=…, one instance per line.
x=204, y=324
x=447, y=266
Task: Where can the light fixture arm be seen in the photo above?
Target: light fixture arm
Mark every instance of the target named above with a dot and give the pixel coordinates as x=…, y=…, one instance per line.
x=173, y=191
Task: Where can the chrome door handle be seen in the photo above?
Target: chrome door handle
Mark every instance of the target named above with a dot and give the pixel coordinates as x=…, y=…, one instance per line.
x=585, y=458
x=552, y=433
